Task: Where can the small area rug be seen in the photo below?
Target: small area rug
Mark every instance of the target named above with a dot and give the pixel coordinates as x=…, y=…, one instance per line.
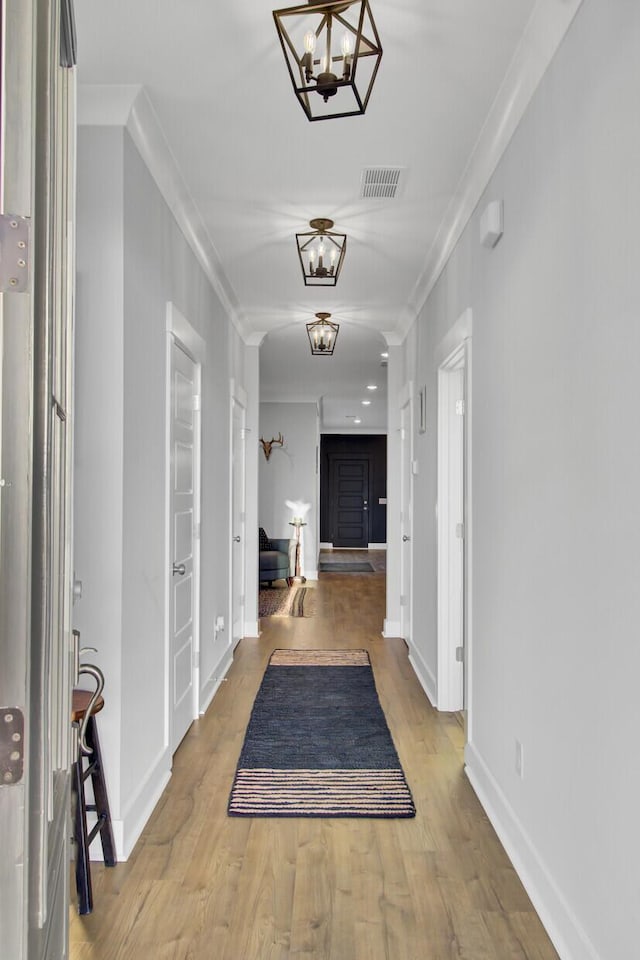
x=285, y=602
x=318, y=744
x=347, y=566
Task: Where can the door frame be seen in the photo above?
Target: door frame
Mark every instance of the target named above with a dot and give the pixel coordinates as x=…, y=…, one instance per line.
x=453, y=461
x=180, y=332
x=238, y=398
x=406, y=511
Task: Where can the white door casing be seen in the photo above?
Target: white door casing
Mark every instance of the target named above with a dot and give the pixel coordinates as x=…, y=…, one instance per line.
x=406, y=513
x=238, y=513
x=453, y=404
x=36, y=434
x=183, y=527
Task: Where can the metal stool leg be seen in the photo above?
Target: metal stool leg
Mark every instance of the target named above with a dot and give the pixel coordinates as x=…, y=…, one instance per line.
x=83, y=867
x=101, y=805
x=83, y=837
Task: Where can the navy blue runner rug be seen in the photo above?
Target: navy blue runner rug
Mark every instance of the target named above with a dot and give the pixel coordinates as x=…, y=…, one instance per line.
x=318, y=744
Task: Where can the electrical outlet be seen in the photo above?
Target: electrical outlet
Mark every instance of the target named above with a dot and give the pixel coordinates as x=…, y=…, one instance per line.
x=519, y=759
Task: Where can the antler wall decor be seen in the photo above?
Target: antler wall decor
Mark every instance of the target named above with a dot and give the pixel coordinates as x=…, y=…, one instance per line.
x=267, y=444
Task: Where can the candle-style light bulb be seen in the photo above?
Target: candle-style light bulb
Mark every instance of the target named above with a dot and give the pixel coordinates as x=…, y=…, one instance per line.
x=320, y=255
x=309, y=48
x=312, y=258
x=347, y=57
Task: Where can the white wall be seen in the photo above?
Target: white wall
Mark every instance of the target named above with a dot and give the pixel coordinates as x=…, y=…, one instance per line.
x=126, y=277
x=290, y=474
x=556, y=472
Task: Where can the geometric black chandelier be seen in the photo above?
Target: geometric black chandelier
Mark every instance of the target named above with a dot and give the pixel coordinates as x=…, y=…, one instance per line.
x=333, y=52
x=321, y=253
x=322, y=335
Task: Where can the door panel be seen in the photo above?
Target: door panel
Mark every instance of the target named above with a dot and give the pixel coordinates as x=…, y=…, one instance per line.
x=349, y=499
x=183, y=441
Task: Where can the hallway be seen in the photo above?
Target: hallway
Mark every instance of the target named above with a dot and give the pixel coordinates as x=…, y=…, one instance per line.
x=200, y=885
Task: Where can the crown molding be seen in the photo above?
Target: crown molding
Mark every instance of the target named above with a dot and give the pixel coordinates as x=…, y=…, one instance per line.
x=129, y=106
x=543, y=34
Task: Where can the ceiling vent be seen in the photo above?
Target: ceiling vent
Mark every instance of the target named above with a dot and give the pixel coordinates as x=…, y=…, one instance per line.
x=381, y=182
x=384, y=363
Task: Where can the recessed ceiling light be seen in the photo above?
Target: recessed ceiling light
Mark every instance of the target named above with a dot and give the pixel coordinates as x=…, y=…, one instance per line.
x=372, y=386
x=366, y=403
x=357, y=420
x=384, y=355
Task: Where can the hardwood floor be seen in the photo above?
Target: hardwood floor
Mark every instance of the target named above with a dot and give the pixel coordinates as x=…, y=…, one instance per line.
x=203, y=886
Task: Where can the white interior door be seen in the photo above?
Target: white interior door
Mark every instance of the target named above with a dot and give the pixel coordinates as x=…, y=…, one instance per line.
x=183, y=531
x=451, y=532
x=37, y=163
x=238, y=521
x=406, y=518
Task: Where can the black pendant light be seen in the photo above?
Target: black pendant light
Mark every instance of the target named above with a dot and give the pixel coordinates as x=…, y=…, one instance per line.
x=321, y=252
x=322, y=335
x=333, y=53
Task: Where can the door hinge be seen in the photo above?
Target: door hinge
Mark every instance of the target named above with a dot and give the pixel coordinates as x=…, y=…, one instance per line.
x=196, y=401
x=11, y=746
x=460, y=654
x=460, y=408
x=460, y=531
x=14, y=253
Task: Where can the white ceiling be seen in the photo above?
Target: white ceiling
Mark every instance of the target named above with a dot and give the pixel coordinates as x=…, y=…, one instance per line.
x=258, y=171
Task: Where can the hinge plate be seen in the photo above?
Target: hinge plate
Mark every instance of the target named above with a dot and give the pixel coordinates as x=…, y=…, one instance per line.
x=460, y=654
x=14, y=253
x=11, y=746
x=460, y=408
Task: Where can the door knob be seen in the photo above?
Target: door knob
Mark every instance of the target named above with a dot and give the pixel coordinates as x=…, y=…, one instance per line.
x=179, y=568
x=236, y=539
x=405, y=538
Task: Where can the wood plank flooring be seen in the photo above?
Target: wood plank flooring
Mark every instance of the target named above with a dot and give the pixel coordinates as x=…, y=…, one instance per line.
x=203, y=886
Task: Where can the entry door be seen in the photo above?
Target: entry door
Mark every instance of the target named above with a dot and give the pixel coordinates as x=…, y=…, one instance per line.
x=349, y=501
x=183, y=527
x=406, y=520
x=238, y=442
x=36, y=422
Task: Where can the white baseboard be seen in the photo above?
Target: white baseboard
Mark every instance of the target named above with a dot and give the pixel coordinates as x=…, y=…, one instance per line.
x=559, y=920
x=326, y=546
x=377, y=546
x=212, y=685
x=311, y=574
x=252, y=628
x=391, y=628
x=127, y=830
x=425, y=676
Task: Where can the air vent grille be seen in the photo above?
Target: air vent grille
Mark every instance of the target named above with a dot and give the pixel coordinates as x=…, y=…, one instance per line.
x=381, y=182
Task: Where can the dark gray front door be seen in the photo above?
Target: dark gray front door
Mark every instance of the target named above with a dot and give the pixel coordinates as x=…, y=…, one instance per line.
x=349, y=501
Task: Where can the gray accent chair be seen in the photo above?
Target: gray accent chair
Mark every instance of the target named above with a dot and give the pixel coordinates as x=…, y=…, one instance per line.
x=273, y=559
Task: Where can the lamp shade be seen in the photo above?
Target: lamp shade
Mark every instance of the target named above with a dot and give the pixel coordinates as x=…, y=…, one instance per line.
x=321, y=252
x=322, y=335
x=333, y=52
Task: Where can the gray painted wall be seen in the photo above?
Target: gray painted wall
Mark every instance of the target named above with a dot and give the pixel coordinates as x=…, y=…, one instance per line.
x=556, y=471
x=132, y=260
x=290, y=474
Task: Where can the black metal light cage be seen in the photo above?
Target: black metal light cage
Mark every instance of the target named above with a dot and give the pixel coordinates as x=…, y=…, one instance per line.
x=333, y=74
x=322, y=334
x=321, y=252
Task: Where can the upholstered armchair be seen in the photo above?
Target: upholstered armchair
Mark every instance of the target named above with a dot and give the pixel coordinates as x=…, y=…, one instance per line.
x=274, y=561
